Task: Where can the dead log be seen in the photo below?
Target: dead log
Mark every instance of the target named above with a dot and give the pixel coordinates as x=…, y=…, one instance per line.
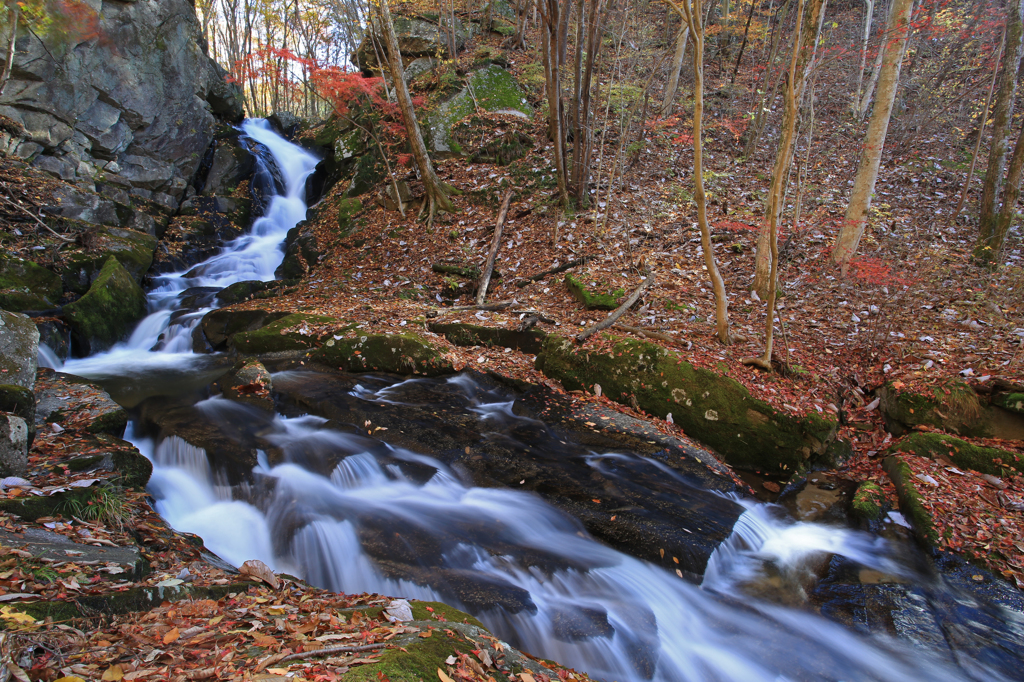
x=485, y=278
x=618, y=312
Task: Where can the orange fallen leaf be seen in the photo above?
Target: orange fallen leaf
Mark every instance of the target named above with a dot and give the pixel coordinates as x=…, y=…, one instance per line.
x=170, y=636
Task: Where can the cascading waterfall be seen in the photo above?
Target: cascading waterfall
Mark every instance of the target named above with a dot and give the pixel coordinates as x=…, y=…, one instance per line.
x=164, y=338
x=327, y=493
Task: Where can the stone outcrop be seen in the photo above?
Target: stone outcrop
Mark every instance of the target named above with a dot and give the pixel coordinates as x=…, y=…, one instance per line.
x=135, y=106
x=27, y=286
x=19, y=350
x=417, y=38
x=490, y=89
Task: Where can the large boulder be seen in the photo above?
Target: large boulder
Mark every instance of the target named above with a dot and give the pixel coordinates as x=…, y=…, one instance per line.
x=712, y=408
x=491, y=89
x=138, y=100
x=19, y=350
x=417, y=37
x=227, y=163
x=953, y=406
x=25, y=285
x=108, y=311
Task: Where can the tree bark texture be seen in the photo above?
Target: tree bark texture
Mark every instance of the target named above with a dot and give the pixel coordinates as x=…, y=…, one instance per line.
x=855, y=219
x=809, y=19
x=1002, y=113
x=674, y=70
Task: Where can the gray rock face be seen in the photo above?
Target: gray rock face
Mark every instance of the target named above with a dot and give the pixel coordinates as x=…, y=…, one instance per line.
x=19, y=348
x=141, y=104
x=13, y=445
x=416, y=38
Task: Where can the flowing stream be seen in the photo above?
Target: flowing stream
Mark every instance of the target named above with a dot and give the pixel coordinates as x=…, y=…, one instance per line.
x=324, y=503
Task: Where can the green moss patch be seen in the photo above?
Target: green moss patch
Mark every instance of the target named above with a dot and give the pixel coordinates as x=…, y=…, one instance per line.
x=112, y=306
x=491, y=89
x=965, y=455
x=590, y=300
x=435, y=610
x=25, y=285
x=134, y=250
x=911, y=505
x=714, y=409
x=297, y=331
x=868, y=501
x=393, y=353
x=1014, y=402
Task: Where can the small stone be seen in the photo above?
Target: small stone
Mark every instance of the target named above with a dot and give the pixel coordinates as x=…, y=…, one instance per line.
x=13, y=445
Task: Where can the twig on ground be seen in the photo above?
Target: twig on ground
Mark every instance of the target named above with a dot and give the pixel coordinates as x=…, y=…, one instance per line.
x=34, y=217
x=500, y=305
x=646, y=332
x=554, y=271
x=618, y=312
x=485, y=278
x=330, y=650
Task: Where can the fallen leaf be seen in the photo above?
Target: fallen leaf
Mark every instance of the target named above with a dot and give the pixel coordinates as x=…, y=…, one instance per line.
x=443, y=677
x=170, y=636
x=259, y=570
x=114, y=673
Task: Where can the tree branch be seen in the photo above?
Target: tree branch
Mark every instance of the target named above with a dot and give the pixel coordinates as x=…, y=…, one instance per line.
x=485, y=278
x=618, y=312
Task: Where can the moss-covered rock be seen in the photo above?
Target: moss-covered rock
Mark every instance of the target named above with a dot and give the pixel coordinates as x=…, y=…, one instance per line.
x=462, y=334
x=911, y=505
x=301, y=252
x=492, y=138
x=134, y=250
x=490, y=89
x=25, y=285
x=966, y=455
x=369, y=170
x=248, y=382
x=297, y=331
x=393, y=353
x=590, y=300
x=868, y=501
x=716, y=410
x=953, y=406
x=241, y=291
x=108, y=311
x=220, y=326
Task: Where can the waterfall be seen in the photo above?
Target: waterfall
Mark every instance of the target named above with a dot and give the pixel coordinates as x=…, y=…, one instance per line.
x=335, y=508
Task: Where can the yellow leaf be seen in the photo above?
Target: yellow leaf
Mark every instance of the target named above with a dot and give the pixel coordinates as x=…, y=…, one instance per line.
x=113, y=673
x=443, y=677
x=527, y=677
x=71, y=678
x=428, y=633
x=215, y=620
x=171, y=635
x=10, y=613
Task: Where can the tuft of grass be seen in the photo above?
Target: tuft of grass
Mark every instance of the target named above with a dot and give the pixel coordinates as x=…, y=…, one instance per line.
x=108, y=505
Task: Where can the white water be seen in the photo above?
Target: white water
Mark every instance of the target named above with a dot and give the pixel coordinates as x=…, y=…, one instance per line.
x=595, y=609
x=160, y=343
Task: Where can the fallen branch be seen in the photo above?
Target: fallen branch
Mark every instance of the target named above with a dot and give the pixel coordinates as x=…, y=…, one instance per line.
x=500, y=305
x=485, y=278
x=330, y=650
x=554, y=271
x=461, y=271
x=646, y=332
x=618, y=312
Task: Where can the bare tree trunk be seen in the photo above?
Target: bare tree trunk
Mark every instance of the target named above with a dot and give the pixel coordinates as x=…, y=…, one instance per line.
x=761, y=112
x=691, y=11
x=674, y=69
x=551, y=16
x=808, y=21
x=869, y=92
x=1011, y=193
x=436, y=198
x=582, y=130
x=11, y=40
x=869, y=10
x=1002, y=113
x=855, y=220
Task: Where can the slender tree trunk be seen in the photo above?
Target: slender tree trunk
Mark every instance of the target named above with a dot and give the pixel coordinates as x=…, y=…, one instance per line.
x=436, y=198
x=764, y=106
x=981, y=132
x=852, y=230
x=551, y=16
x=1011, y=193
x=691, y=11
x=12, y=38
x=808, y=21
x=864, y=104
x=674, y=70
x=743, y=45
x=583, y=137
x=1002, y=114
x=869, y=10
